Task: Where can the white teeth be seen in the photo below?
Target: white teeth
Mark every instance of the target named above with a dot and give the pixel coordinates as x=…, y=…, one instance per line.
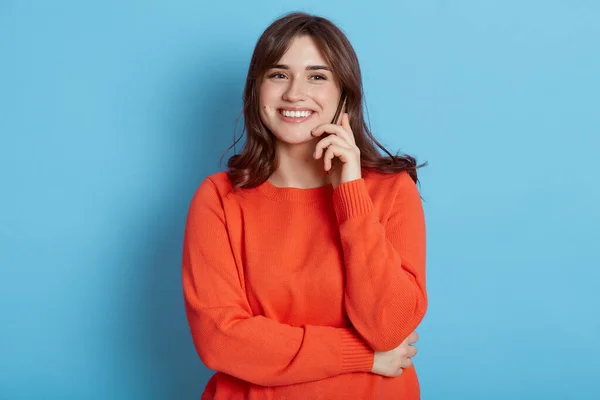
x=295, y=114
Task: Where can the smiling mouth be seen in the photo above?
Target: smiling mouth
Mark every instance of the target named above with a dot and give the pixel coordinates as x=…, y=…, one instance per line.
x=294, y=117
x=295, y=114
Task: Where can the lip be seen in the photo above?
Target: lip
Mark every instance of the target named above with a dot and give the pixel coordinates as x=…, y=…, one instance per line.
x=295, y=109
x=294, y=120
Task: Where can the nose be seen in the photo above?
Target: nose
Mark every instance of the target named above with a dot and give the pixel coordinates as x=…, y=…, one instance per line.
x=295, y=91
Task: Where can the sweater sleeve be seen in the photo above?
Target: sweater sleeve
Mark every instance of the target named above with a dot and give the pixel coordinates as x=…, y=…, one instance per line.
x=385, y=295
x=226, y=334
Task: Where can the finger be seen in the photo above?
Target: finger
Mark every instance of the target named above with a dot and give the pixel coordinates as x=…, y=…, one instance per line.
x=412, y=351
x=332, y=152
x=327, y=159
x=337, y=130
x=406, y=363
x=329, y=128
x=321, y=146
x=346, y=126
x=413, y=337
x=325, y=143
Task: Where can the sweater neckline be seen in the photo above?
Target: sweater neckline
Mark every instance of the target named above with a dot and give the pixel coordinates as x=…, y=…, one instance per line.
x=298, y=195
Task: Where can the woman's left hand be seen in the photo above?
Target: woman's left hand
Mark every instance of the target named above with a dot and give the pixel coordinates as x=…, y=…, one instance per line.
x=339, y=144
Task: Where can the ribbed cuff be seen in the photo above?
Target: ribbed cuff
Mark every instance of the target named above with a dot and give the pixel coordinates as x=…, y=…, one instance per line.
x=356, y=355
x=351, y=199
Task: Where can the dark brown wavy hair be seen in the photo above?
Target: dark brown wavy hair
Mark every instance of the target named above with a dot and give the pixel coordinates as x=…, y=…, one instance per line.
x=257, y=160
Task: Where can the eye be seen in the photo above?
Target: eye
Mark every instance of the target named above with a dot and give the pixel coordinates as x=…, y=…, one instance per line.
x=277, y=75
x=319, y=77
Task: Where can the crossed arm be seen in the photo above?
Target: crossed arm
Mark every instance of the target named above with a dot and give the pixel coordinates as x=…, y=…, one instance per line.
x=385, y=296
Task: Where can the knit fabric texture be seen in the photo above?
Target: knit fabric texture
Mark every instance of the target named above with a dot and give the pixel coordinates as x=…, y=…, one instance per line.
x=289, y=292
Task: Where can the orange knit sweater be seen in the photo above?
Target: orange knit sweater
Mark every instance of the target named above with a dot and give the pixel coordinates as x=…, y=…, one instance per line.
x=289, y=292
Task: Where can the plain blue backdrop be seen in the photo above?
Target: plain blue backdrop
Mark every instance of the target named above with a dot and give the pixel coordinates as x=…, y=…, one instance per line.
x=111, y=114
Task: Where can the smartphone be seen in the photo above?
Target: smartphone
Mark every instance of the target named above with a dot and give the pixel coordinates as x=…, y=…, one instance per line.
x=342, y=108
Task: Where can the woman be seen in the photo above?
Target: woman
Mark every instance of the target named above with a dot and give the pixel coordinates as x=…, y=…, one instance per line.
x=304, y=263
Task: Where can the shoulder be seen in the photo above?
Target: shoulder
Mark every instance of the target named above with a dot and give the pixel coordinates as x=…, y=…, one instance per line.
x=398, y=197
x=220, y=181
x=211, y=191
x=395, y=184
x=215, y=184
x=395, y=192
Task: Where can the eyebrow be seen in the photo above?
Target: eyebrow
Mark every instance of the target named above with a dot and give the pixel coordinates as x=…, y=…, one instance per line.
x=308, y=68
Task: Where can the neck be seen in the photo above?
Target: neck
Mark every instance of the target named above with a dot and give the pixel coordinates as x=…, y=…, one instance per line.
x=297, y=168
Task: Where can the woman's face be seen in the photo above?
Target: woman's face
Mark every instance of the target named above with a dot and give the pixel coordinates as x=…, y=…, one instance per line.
x=299, y=93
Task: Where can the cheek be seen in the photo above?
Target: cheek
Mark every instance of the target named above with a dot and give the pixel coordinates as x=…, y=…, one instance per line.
x=263, y=98
x=269, y=92
x=268, y=98
x=267, y=112
x=329, y=98
x=329, y=103
x=265, y=107
x=264, y=113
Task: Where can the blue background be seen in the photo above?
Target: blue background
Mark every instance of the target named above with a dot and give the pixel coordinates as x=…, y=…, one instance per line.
x=111, y=114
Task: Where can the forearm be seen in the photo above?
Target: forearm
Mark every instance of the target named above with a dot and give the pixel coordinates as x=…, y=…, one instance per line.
x=268, y=353
x=385, y=296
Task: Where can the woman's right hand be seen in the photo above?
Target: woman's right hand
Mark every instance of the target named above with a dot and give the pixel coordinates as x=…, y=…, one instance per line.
x=390, y=363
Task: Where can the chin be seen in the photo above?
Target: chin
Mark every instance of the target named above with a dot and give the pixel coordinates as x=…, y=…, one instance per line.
x=292, y=134
x=294, y=138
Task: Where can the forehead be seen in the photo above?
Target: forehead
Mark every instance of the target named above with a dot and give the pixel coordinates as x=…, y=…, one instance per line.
x=303, y=50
